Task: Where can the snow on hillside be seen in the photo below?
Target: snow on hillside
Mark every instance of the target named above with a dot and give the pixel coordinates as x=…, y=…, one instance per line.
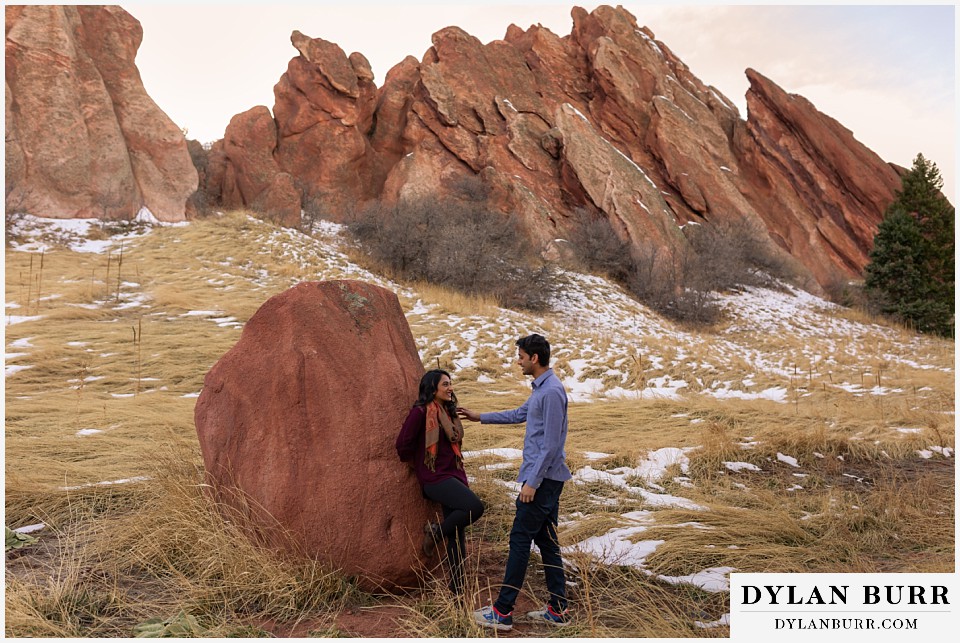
x=599, y=329
x=606, y=346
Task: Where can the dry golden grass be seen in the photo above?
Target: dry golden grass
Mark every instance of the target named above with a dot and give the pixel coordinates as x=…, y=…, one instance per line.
x=456, y=303
x=129, y=366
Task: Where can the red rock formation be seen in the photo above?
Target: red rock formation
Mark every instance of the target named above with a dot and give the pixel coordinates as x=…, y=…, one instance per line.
x=83, y=137
x=324, y=112
x=301, y=415
x=606, y=120
x=819, y=191
x=250, y=175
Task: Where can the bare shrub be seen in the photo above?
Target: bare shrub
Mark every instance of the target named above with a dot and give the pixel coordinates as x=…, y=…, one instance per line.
x=734, y=254
x=458, y=244
x=849, y=294
x=597, y=248
x=202, y=201
x=312, y=210
x=470, y=187
x=683, y=283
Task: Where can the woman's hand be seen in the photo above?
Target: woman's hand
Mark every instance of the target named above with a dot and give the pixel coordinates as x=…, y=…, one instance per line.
x=467, y=414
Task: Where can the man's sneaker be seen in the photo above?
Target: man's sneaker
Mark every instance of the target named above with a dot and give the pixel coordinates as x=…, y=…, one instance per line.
x=490, y=617
x=549, y=615
x=431, y=538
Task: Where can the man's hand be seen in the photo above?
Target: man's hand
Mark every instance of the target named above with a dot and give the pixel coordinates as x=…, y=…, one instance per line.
x=467, y=414
x=526, y=493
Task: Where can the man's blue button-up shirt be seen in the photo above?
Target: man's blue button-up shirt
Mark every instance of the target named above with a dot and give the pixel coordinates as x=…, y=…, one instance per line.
x=545, y=413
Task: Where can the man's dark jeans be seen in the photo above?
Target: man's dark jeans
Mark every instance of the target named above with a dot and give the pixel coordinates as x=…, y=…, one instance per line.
x=536, y=521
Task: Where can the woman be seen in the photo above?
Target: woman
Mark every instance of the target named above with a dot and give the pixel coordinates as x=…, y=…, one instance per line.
x=430, y=440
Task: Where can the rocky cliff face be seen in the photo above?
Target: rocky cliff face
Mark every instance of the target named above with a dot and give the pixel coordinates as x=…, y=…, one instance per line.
x=606, y=121
x=83, y=138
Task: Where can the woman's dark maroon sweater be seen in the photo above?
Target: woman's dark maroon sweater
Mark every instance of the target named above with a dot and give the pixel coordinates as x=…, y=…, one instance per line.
x=410, y=448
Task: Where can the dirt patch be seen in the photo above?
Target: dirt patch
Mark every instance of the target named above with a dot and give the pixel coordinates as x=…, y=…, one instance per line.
x=373, y=622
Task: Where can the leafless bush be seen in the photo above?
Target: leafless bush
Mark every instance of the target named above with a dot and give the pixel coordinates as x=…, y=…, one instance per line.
x=730, y=255
x=598, y=249
x=471, y=188
x=312, y=209
x=202, y=201
x=683, y=283
x=458, y=244
x=850, y=294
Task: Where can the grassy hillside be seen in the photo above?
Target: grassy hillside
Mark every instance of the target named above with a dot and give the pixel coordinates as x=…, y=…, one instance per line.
x=795, y=437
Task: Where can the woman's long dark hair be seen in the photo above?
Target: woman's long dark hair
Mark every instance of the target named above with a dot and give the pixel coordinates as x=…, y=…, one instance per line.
x=429, y=384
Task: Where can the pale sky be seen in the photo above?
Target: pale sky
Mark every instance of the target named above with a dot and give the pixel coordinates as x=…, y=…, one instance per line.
x=886, y=72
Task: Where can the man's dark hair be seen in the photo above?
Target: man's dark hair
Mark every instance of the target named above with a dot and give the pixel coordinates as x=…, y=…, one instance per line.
x=536, y=345
x=429, y=384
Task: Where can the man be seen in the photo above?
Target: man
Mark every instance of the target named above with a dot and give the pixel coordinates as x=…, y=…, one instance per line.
x=542, y=475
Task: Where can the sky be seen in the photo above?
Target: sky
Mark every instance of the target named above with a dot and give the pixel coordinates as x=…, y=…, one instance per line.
x=886, y=72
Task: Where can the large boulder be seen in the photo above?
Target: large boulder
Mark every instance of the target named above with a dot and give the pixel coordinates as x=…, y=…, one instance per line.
x=298, y=421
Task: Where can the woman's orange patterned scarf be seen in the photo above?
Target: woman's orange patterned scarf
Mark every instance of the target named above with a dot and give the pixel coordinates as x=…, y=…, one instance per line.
x=436, y=418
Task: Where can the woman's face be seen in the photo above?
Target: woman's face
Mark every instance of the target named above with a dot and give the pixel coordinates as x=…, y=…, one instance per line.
x=444, y=390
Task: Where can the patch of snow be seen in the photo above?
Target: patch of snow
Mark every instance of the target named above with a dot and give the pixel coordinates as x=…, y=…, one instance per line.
x=787, y=459
x=741, y=466
x=498, y=465
x=513, y=454
x=776, y=394
x=20, y=319
x=512, y=486
x=106, y=482
x=650, y=471
x=464, y=362
x=615, y=547
x=594, y=455
x=203, y=313
x=146, y=216
x=722, y=621
x=714, y=579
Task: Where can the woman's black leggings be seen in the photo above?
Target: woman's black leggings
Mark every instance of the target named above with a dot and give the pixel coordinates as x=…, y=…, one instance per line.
x=461, y=507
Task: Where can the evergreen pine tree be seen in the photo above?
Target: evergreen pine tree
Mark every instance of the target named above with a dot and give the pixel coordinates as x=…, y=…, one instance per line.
x=911, y=269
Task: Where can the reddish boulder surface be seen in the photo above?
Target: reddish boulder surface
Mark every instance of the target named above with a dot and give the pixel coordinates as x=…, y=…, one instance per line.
x=83, y=138
x=300, y=417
